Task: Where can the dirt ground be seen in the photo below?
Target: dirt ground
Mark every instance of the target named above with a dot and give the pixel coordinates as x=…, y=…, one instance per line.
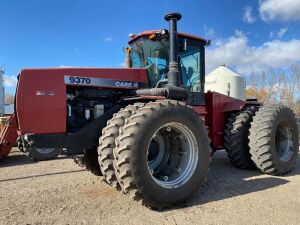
x=60, y=192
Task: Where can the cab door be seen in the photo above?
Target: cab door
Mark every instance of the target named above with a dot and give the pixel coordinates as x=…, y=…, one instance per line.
x=192, y=69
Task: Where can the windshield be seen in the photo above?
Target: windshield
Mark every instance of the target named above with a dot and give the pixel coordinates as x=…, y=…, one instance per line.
x=152, y=55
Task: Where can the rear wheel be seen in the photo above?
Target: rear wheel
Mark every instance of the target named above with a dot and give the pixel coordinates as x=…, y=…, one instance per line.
x=274, y=140
x=162, y=154
x=236, y=138
x=107, y=142
x=40, y=154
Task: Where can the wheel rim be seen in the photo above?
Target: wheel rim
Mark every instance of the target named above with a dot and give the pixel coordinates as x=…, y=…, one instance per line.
x=173, y=158
x=284, y=142
x=156, y=151
x=45, y=150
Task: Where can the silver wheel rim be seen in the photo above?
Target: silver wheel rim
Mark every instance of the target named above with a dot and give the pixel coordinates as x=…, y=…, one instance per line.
x=154, y=163
x=284, y=142
x=45, y=150
x=176, y=155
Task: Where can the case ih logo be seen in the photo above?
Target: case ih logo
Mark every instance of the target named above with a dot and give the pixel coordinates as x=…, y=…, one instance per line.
x=126, y=84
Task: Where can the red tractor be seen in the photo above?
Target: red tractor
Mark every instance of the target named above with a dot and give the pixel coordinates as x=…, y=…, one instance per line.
x=150, y=128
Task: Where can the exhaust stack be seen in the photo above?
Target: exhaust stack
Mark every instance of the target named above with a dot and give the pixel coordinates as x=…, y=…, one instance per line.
x=174, y=73
x=172, y=90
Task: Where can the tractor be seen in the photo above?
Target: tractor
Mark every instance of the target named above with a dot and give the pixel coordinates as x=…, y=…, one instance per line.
x=150, y=129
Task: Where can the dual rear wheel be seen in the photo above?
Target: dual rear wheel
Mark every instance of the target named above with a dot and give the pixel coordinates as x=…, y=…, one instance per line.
x=274, y=140
x=236, y=137
x=266, y=138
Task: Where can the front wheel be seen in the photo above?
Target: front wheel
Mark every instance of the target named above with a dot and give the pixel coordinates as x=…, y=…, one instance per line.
x=162, y=154
x=107, y=142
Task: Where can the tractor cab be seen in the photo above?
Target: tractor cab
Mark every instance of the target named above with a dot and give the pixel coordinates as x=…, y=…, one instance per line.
x=150, y=50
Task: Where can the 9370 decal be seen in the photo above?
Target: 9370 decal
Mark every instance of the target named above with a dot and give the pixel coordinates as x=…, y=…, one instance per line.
x=79, y=80
x=102, y=82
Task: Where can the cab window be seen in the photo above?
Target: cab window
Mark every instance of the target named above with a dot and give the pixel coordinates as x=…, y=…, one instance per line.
x=190, y=68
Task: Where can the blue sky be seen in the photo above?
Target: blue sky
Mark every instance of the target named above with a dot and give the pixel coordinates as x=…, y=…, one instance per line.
x=246, y=34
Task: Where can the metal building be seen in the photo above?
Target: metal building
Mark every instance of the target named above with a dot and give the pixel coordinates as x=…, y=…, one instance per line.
x=225, y=81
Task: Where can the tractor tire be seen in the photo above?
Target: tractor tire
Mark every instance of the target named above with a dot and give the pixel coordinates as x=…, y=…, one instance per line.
x=274, y=140
x=41, y=154
x=162, y=154
x=107, y=142
x=236, y=140
x=90, y=160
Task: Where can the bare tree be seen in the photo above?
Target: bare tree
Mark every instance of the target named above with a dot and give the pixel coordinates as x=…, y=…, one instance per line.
x=9, y=98
x=276, y=85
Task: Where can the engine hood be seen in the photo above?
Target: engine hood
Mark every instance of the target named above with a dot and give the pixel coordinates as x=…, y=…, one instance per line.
x=97, y=77
x=41, y=93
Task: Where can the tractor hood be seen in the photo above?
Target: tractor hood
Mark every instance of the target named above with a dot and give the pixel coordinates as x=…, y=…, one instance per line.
x=41, y=93
x=103, y=77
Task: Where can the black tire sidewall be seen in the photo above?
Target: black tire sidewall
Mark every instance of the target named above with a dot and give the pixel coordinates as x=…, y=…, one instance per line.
x=237, y=144
x=285, y=116
x=141, y=173
x=37, y=156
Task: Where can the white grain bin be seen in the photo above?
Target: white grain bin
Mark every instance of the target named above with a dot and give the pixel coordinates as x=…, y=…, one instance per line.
x=226, y=82
x=2, y=100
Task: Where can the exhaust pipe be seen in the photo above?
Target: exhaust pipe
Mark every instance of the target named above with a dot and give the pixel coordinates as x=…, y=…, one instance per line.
x=173, y=74
x=172, y=89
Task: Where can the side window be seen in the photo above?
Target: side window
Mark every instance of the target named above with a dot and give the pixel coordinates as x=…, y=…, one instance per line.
x=190, y=69
x=135, y=59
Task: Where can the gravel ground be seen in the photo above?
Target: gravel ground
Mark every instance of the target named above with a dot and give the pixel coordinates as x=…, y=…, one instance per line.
x=60, y=192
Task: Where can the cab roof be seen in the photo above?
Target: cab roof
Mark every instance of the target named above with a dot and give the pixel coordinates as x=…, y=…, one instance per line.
x=149, y=32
